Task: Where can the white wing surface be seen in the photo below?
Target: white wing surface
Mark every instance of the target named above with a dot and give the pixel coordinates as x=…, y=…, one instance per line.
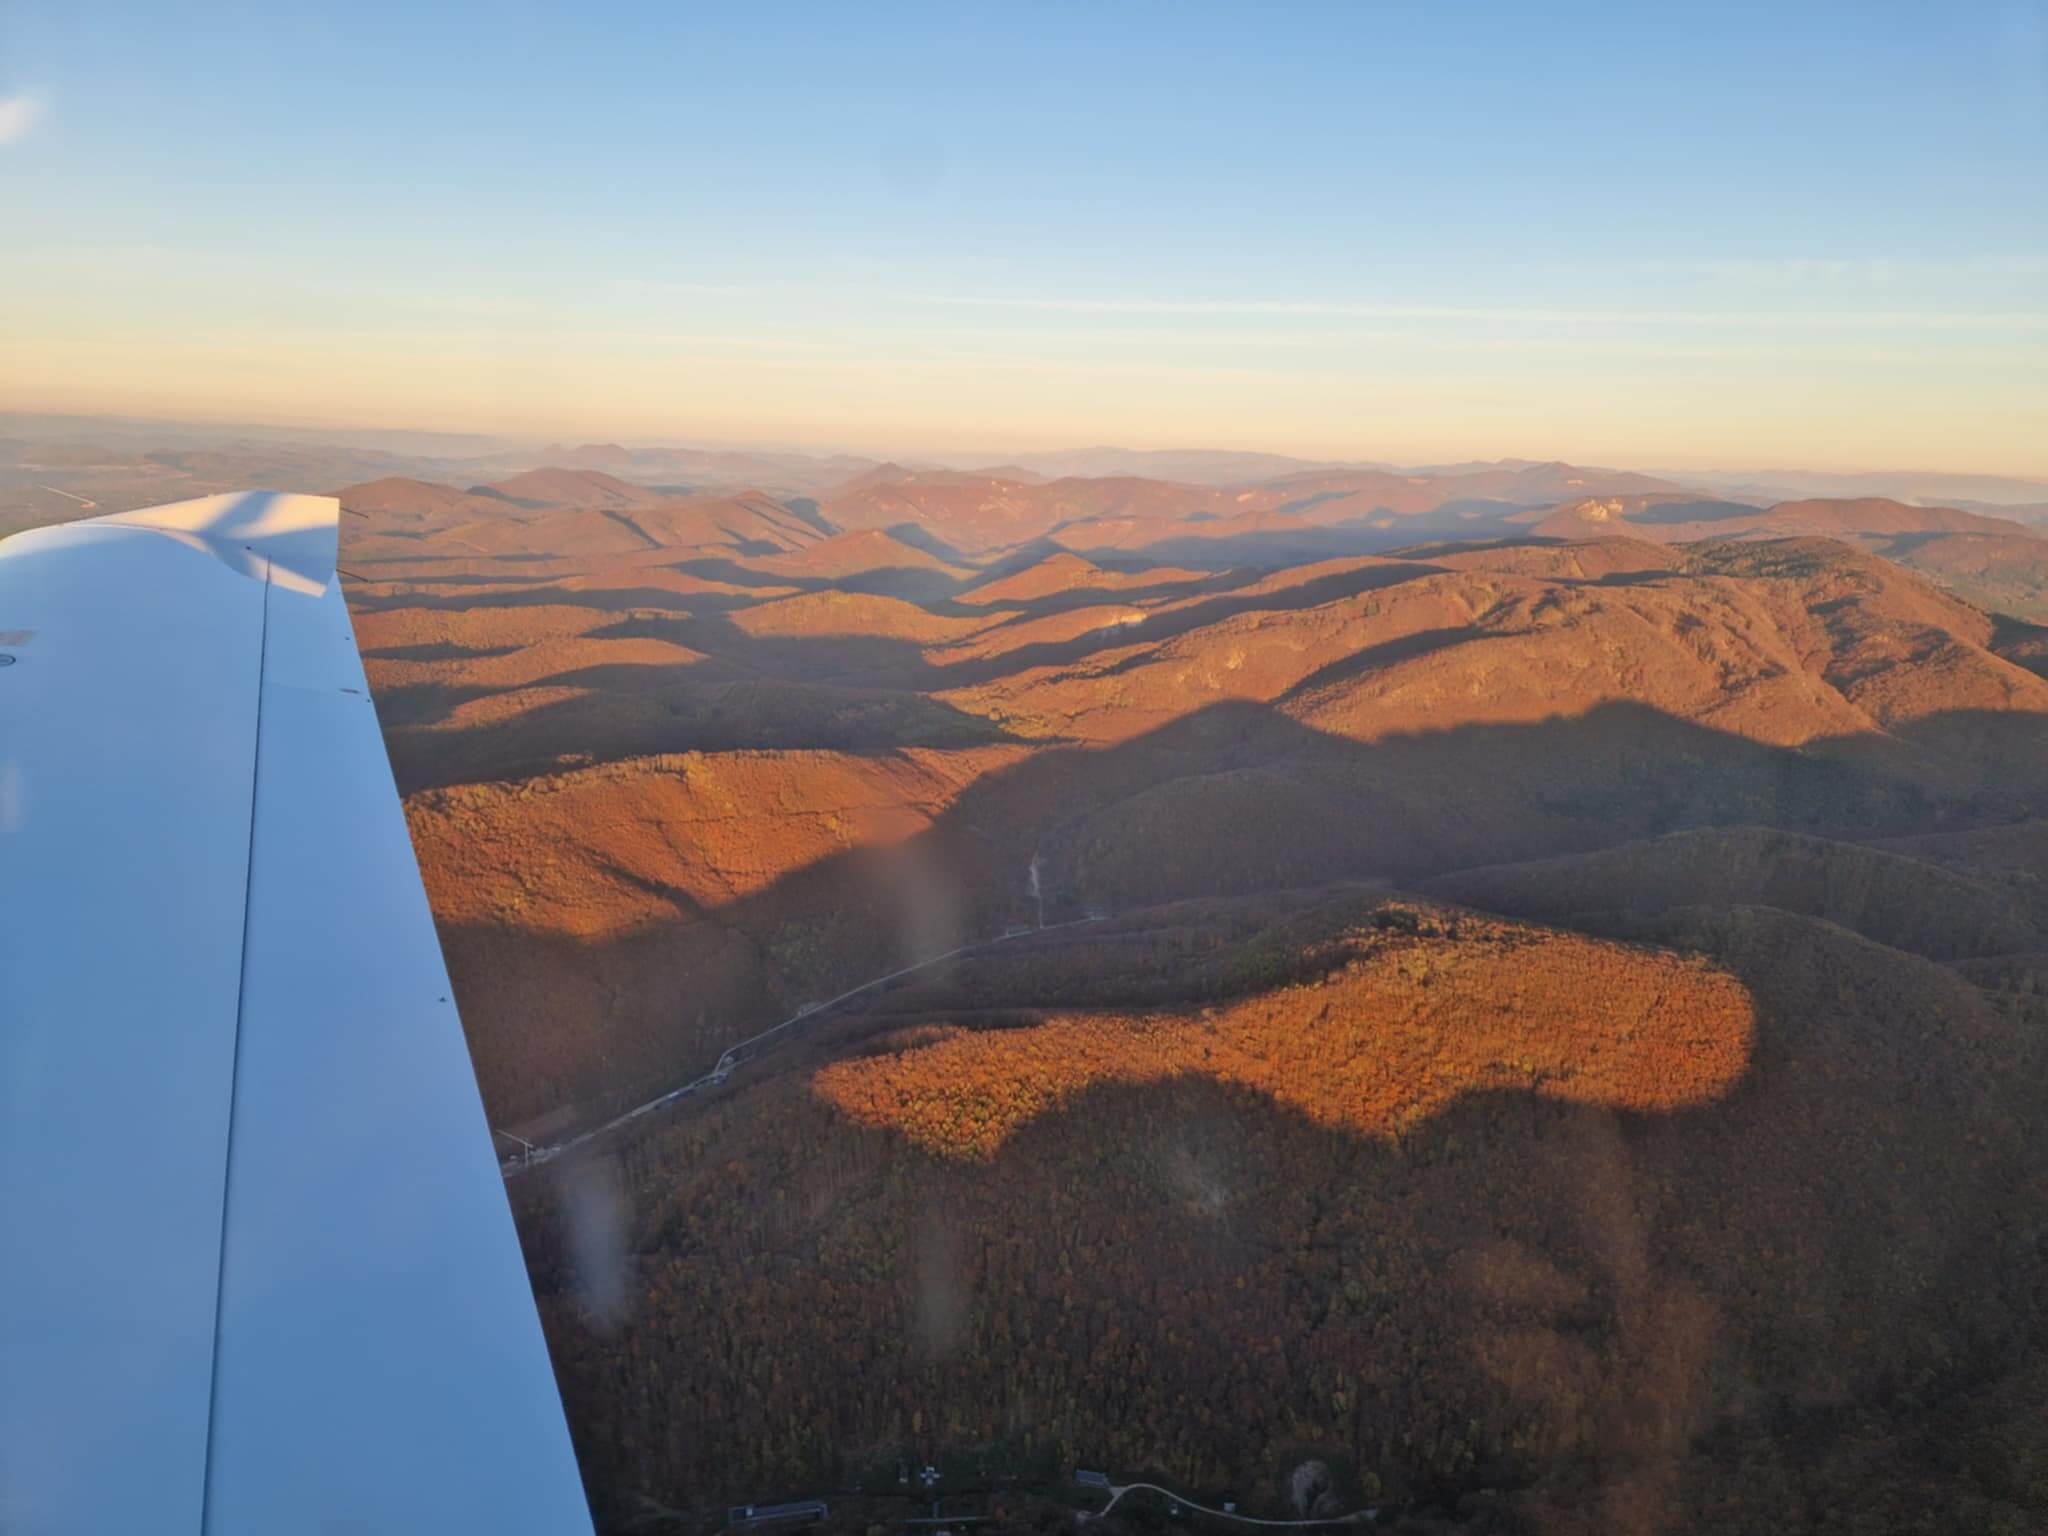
x=257, y=1272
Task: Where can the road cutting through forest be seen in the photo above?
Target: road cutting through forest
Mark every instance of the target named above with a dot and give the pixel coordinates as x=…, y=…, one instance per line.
x=746, y=1050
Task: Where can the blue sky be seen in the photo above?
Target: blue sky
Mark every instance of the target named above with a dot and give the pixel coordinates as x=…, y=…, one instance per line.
x=1671, y=235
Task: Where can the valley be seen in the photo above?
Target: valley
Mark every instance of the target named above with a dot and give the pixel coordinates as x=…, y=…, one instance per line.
x=1542, y=1011
x=1154, y=770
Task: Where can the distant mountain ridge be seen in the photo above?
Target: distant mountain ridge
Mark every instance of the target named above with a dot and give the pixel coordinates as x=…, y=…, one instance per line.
x=938, y=518
x=1690, y=1089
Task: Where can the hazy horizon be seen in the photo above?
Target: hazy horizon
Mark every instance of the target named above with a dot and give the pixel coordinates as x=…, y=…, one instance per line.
x=370, y=433
x=1693, y=238
x=1087, y=769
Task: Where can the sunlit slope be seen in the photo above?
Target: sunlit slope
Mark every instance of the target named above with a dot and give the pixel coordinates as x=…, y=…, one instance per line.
x=1906, y=903
x=1261, y=1158
x=1387, y=1023
x=613, y=925
x=1367, y=717
x=1472, y=1203
x=1782, y=643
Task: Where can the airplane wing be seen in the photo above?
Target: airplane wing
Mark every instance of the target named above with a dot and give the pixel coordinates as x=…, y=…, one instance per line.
x=257, y=1270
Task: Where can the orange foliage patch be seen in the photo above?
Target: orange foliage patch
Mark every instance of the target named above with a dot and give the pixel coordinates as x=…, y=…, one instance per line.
x=1394, y=1032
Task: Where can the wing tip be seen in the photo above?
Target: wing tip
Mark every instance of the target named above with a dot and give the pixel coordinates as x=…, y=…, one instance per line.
x=295, y=534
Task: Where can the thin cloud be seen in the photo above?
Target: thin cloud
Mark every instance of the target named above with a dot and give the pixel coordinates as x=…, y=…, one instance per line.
x=1339, y=309
x=18, y=115
x=1874, y=272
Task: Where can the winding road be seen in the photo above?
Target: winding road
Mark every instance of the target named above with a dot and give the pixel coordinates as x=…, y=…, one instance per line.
x=1117, y=1491
x=746, y=1050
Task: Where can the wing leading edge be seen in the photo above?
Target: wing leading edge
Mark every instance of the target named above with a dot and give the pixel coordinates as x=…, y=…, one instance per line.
x=261, y=1272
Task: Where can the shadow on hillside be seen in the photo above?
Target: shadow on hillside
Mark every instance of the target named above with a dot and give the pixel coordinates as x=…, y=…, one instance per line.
x=1607, y=1282
x=1238, y=799
x=413, y=706
x=656, y=716
x=1264, y=550
x=1095, y=597
x=1230, y=565
x=1659, y=513
x=1520, y=540
x=544, y=592
x=909, y=583
x=901, y=663
x=1386, y=654
x=919, y=537
x=440, y=651
x=407, y=706
x=805, y=510
x=813, y=669
x=2022, y=643
x=1363, y=534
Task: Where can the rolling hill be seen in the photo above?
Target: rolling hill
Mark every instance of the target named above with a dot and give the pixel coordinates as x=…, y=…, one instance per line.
x=541, y=489
x=1679, y=520
x=1548, y=1025
x=1463, y=1204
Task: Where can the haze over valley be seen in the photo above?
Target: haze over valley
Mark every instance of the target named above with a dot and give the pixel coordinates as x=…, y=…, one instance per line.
x=1521, y=984
x=1184, y=768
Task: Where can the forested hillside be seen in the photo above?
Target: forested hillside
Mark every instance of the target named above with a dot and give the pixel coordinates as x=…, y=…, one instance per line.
x=1546, y=1026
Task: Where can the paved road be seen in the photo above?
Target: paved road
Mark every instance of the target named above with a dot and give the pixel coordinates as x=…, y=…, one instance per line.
x=753, y=1045
x=1117, y=1491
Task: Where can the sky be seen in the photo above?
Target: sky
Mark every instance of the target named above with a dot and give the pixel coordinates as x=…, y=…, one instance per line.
x=1715, y=235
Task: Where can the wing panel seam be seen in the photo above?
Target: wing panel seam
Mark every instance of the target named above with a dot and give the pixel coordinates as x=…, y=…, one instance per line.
x=235, y=1069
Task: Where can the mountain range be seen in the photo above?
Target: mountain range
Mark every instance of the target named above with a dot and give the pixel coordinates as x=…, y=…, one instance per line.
x=1523, y=986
